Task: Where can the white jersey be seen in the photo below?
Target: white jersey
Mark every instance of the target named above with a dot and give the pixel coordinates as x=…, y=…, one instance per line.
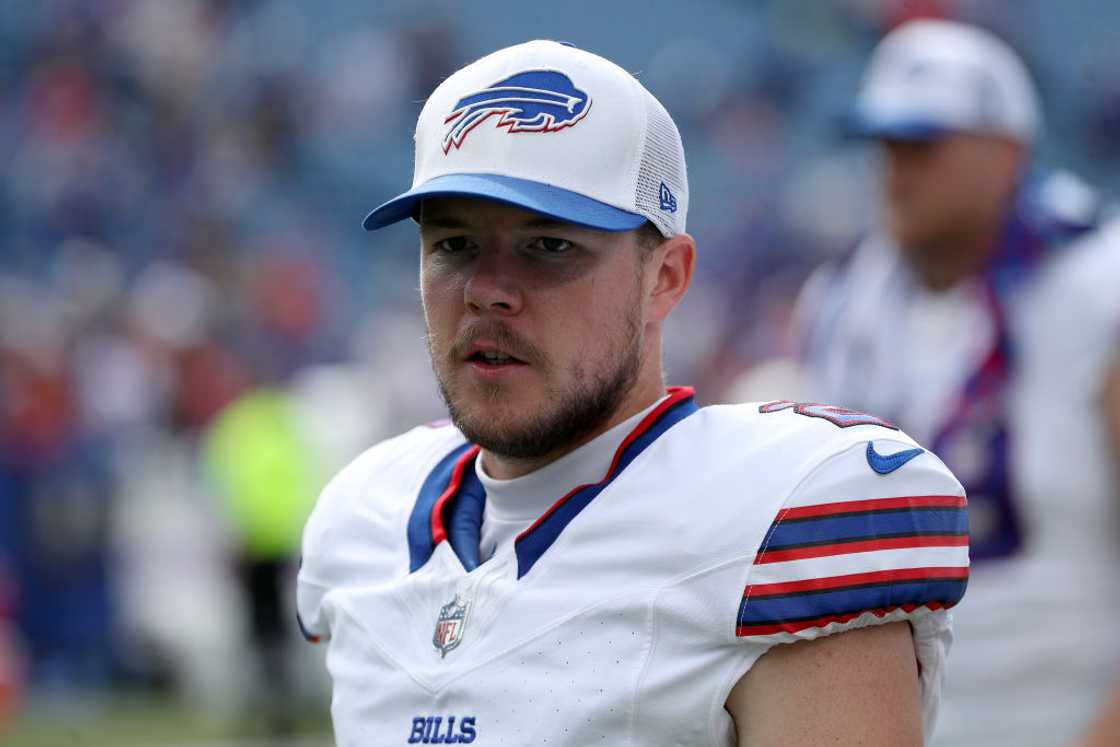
x=627, y=612
x=1032, y=451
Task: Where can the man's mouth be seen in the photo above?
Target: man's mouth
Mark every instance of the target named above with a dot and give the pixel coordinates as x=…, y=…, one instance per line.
x=494, y=358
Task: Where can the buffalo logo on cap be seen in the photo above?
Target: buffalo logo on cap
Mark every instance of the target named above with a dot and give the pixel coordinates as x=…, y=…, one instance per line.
x=530, y=101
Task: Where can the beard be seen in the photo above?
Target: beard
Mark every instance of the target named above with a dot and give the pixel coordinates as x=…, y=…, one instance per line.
x=568, y=412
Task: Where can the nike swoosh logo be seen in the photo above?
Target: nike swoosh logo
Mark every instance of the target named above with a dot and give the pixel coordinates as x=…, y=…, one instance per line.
x=884, y=465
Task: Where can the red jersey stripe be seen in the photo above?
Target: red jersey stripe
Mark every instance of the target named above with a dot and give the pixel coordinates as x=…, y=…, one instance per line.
x=439, y=533
x=873, y=504
x=855, y=579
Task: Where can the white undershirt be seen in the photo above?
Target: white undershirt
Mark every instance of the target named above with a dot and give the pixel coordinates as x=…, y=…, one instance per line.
x=512, y=505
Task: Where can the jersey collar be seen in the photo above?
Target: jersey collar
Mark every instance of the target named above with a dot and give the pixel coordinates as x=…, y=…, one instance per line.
x=451, y=500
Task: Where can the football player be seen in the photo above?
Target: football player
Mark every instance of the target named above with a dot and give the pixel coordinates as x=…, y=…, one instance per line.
x=984, y=318
x=584, y=556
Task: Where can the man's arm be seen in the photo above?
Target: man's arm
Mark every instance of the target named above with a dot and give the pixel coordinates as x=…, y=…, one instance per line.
x=1105, y=730
x=859, y=687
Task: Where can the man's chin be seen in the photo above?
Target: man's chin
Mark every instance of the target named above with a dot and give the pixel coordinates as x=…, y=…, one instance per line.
x=533, y=420
x=487, y=402
x=504, y=438
x=493, y=414
x=503, y=412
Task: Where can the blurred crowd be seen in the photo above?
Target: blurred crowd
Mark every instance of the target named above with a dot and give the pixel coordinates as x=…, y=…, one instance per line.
x=180, y=196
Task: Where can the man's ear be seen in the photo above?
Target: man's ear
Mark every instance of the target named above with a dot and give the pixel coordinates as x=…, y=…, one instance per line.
x=671, y=267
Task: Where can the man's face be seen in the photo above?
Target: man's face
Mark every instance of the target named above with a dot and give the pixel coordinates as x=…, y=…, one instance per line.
x=938, y=190
x=535, y=327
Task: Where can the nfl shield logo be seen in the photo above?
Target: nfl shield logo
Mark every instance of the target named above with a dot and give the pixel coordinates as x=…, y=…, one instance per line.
x=449, y=626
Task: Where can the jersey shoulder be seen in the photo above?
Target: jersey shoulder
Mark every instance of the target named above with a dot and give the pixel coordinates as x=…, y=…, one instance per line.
x=377, y=483
x=872, y=529
x=356, y=532
x=1071, y=317
x=751, y=460
x=806, y=432
x=1087, y=269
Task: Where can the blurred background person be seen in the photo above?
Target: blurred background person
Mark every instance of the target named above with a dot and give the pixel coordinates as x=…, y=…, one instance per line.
x=984, y=319
x=181, y=186
x=264, y=473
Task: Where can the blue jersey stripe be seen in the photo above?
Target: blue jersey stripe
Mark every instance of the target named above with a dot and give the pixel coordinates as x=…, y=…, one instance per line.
x=420, y=544
x=867, y=525
x=765, y=610
x=464, y=521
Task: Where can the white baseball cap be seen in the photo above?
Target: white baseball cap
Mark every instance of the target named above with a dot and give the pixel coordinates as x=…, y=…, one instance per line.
x=552, y=129
x=927, y=79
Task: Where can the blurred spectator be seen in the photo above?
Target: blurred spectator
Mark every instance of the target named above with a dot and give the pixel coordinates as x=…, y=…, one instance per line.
x=265, y=475
x=983, y=318
x=57, y=498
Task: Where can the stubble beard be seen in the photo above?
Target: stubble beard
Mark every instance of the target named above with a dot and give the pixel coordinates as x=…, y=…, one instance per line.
x=567, y=414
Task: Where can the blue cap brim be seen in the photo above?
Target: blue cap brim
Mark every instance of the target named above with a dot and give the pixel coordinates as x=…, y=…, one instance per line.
x=864, y=125
x=545, y=199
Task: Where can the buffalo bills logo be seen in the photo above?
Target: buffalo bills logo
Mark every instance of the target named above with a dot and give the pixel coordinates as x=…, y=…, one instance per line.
x=531, y=101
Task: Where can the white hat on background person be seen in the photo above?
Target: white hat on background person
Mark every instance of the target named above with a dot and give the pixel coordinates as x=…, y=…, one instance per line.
x=930, y=78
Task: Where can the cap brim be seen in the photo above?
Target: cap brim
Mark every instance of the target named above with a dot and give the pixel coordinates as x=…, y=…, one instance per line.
x=865, y=125
x=561, y=204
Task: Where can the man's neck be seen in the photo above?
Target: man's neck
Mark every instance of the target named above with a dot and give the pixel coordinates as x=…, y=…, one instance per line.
x=946, y=263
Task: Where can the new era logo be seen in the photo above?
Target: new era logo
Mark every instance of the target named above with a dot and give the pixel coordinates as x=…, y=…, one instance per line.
x=666, y=198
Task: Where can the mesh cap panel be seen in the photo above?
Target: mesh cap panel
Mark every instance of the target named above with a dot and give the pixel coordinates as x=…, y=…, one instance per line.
x=662, y=163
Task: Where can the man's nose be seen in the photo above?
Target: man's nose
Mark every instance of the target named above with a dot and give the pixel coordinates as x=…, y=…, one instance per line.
x=493, y=286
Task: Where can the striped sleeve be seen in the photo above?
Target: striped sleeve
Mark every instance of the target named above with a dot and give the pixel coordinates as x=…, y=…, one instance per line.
x=853, y=547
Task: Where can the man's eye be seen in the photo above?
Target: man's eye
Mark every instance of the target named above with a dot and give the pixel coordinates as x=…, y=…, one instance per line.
x=551, y=245
x=453, y=245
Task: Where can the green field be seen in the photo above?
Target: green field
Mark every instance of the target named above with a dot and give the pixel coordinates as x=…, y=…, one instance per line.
x=141, y=722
